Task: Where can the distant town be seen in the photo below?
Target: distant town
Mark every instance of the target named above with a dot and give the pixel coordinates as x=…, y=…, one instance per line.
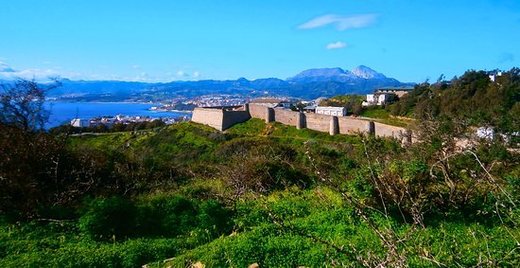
x=212, y=100
x=109, y=121
x=379, y=97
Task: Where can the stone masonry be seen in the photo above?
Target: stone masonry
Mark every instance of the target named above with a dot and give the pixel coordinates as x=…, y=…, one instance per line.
x=222, y=118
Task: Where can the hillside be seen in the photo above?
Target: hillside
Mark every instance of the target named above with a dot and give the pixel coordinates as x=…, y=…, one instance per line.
x=472, y=100
x=266, y=194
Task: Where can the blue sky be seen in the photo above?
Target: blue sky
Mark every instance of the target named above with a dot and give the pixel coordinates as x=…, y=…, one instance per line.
x=164, y=40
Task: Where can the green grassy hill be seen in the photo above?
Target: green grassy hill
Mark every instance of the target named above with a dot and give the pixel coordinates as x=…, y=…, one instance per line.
x=273, y=195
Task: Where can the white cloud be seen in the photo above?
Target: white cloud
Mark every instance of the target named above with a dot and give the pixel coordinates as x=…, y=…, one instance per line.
x=187, y=75
x=336, y=45
x=181, y=73
x=140, y=75
x=8, y=73
x=341, y=23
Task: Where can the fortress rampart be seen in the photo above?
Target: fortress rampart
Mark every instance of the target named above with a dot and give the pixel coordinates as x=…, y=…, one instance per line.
x=222, y=118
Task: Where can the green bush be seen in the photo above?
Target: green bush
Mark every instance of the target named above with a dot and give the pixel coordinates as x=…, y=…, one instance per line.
x=160, y=216
x=109, y=218
x=214, y=217
x=173, y=215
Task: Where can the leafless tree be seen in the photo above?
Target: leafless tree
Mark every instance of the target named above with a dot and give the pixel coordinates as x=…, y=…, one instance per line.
x=22, y=104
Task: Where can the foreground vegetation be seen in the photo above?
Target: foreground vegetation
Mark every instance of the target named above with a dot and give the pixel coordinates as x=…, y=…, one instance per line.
x=261, y=193
x=273, y=195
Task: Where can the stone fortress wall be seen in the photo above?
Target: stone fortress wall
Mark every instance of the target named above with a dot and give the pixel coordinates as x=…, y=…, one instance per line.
x=384, y=130
x=318, y=122
x=351, y=126
x=258, y=111
x=222, y=118
x=234, y=117
x=286, y=117
x=212, y=117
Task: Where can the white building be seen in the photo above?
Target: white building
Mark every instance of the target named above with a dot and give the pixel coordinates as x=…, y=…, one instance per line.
x=330, y=110
x=493, y=76
x=386, y=95
x=76, y=122
x=378, y=99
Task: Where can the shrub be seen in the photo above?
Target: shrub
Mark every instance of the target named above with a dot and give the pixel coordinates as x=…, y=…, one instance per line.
x=178, y=215
x=214, y=218
x=110, y=218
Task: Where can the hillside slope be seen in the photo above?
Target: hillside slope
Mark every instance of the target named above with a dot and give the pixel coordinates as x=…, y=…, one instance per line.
x=268, y=194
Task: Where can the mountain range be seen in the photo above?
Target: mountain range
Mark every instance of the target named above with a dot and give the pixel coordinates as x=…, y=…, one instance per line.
x=308, y=84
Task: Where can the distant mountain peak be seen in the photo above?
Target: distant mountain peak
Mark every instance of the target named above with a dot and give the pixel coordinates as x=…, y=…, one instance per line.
x=337, y=74
x=365, y=72
x=323, y=75
x=242, y=80
x=321, y=72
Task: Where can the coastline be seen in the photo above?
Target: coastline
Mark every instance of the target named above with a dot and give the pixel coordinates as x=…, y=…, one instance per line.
x=103, y=102
x=61, y=112
x=173, y=111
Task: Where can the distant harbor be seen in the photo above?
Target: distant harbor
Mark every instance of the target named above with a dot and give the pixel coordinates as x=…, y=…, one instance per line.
x=110, y=121
x=63, y=112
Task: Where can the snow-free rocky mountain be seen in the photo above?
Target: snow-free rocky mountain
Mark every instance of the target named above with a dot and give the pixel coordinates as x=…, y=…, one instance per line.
x=337, y=74
x=365, y=72
x=308, y=84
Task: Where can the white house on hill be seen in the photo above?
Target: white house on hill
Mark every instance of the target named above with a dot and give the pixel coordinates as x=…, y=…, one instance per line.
x=330, y=110
x=386, y=95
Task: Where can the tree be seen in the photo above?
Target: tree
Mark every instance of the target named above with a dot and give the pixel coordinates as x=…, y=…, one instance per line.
x=31, y=159
x=22, y=104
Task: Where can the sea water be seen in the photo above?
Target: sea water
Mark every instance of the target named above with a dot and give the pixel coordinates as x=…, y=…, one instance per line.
x=63, y=112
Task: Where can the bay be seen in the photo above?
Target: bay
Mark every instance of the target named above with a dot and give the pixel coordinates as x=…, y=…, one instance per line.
x=63, y=112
